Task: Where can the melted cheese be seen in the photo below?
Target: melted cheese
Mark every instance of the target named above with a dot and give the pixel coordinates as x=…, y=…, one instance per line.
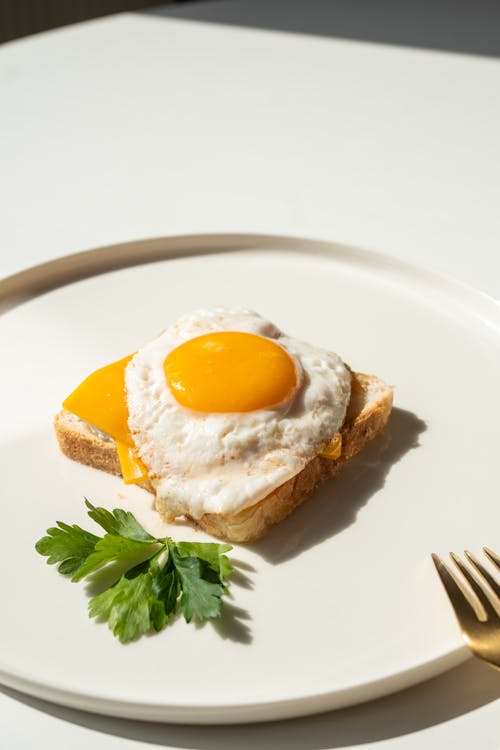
x=101, y=400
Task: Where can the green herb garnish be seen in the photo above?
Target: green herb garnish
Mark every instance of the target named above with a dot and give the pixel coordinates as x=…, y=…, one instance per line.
x=171, y=577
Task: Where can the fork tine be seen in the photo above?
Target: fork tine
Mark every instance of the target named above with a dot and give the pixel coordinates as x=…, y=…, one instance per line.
x=459, y=602
x=493, y=557
x=485, y=574
x=477, y=589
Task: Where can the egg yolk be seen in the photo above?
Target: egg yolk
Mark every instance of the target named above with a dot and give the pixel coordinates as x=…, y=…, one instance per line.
x=230, y=371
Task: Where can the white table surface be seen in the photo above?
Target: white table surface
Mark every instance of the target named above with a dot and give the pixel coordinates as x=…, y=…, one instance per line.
x=135, y=126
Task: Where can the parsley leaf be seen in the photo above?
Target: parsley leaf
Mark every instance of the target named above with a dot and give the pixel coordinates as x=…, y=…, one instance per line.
x=200, y=597
x=165, y=583
x=113, y=548
x=173, y=577
x=120, y=523
x=165, y=587
x=68, y=545
x=213, y=554
x=127, y=606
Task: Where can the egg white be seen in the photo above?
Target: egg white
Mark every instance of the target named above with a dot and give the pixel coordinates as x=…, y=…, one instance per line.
x=222, y=463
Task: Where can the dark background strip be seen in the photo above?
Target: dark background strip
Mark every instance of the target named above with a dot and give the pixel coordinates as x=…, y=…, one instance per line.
x=466, y=26
x=22, y=17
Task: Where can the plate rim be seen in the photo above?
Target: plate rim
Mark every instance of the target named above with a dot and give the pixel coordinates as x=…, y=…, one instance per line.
x=41, y=278
x=238, y=713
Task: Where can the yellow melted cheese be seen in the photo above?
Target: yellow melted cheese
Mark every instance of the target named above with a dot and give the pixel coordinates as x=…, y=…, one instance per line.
x=100, y=399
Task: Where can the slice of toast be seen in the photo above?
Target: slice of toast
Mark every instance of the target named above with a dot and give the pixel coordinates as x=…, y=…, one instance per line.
x=367, y=415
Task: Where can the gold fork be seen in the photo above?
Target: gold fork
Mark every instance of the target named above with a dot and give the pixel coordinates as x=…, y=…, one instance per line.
x=480, y=627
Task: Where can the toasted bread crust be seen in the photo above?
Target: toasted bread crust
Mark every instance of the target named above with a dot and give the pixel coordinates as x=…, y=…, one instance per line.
x=82, y=445
x=78, y=441
x=367, y=415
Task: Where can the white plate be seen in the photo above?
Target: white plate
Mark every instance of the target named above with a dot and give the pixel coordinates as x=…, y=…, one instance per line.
x=343, y=603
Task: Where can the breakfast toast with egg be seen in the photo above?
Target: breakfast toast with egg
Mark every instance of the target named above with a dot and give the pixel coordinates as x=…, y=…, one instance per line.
x=367, y=413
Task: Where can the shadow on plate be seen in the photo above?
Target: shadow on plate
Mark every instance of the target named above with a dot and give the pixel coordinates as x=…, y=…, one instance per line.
x=336, y=504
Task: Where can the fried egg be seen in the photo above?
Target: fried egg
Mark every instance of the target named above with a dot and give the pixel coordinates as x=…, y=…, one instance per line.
x=223, y=408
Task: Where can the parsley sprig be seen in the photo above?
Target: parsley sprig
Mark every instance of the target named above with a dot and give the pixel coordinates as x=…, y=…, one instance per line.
x=171, y=577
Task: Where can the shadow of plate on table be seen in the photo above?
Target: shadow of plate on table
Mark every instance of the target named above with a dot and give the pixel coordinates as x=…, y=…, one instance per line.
x=459, y=691
x=452, y=25
x=336, y=504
